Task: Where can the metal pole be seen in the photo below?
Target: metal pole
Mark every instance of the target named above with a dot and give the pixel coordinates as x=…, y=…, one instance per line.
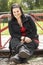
x=0, y=36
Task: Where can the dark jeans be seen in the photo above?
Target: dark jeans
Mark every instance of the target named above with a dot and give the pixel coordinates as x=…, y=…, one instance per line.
x=15, y=45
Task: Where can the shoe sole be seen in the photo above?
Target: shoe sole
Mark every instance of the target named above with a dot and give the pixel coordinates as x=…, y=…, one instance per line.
x=15, y=60
x=23, y=55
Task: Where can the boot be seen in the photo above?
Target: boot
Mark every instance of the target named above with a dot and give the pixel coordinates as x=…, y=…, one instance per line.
x=18, y=60
x=15, y=58
x=24, y=53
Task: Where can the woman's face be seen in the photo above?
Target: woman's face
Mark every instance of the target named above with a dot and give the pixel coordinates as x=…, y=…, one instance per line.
x=17, y=13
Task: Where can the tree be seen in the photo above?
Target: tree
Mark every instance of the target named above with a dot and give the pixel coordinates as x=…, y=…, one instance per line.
x=41, y=3
x=13, y=1
x=3, y=5
x=37, y=3
x=29, y=3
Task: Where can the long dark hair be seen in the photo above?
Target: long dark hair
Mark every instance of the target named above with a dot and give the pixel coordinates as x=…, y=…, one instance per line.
x=16, y=6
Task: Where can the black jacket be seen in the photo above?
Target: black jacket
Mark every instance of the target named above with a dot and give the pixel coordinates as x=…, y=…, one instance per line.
x=31, y=30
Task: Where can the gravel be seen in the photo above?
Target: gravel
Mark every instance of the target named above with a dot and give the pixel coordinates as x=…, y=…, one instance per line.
x=35, y=60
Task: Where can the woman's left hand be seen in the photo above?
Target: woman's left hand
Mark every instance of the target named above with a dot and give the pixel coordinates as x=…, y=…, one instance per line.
x=28, y=40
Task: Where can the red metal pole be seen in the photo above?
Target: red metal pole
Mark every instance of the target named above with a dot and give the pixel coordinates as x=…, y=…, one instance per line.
x=0, y=36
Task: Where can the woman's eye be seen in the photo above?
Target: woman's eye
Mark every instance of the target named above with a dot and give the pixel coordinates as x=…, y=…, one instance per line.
x=17, y=11
x=14, y=12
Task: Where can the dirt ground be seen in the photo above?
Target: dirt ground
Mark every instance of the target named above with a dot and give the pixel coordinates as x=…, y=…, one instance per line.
x=35, y=60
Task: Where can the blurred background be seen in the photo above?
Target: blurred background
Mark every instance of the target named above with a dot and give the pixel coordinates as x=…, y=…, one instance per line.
x=27, y=5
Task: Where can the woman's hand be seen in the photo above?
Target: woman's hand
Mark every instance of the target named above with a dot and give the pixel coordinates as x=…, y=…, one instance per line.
x=25, y=39
x=22, y=39
x=28, y=40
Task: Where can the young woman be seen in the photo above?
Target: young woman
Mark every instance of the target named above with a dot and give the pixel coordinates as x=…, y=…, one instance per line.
x=23, y=35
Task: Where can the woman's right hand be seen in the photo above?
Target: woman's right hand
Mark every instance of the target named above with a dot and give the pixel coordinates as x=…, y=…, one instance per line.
x=22, y=39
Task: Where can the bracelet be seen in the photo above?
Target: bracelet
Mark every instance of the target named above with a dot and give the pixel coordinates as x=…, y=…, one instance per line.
x=24, y=39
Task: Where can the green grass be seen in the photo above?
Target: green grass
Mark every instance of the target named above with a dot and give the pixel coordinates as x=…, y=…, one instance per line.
x=6, y=32
x=39, y=30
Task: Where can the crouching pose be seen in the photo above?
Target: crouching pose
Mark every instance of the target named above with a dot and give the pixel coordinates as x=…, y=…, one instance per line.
x=23, y=35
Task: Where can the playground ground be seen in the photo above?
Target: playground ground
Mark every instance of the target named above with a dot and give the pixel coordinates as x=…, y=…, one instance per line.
x=35, y=60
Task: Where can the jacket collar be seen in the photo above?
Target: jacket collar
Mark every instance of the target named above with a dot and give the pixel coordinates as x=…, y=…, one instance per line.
x=25, y=18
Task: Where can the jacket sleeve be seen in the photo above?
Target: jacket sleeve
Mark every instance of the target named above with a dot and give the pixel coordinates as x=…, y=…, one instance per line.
x=33, y=28
x=12, y=33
